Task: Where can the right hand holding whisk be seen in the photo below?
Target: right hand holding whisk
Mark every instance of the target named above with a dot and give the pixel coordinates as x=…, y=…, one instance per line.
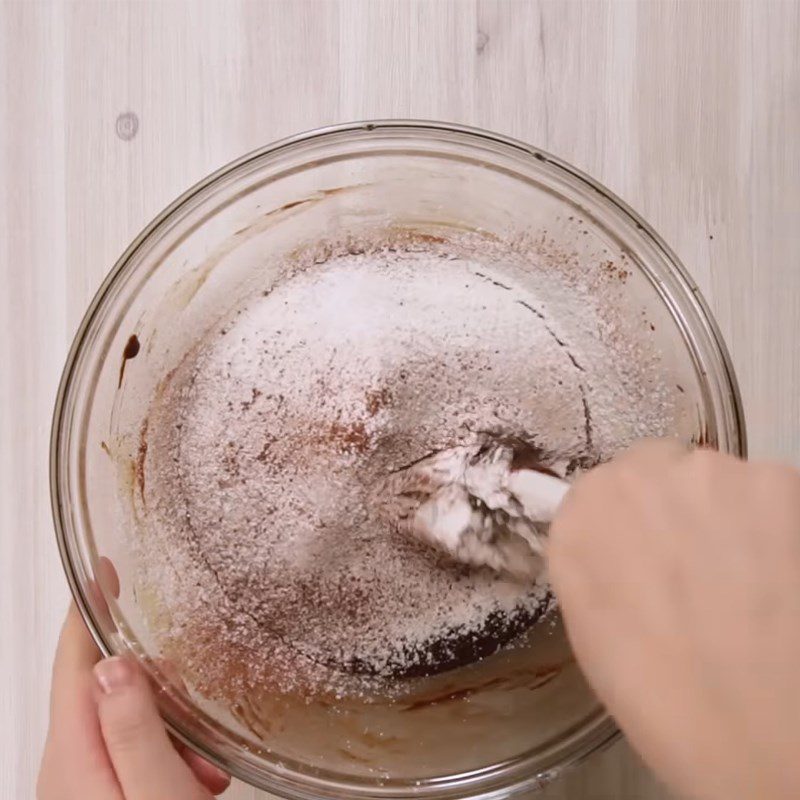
x=679, y=578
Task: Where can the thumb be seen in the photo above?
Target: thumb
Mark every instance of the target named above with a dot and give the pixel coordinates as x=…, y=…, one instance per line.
x=145, y=762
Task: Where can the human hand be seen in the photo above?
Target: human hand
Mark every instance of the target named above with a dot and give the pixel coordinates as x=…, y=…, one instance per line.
x=678, y=575
x=106, y=739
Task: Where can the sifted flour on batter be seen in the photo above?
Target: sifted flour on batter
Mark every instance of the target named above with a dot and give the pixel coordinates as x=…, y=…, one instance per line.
x=262, y=450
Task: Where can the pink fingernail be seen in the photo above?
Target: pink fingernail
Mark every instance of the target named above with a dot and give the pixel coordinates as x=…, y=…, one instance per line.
x=113, y=674
x=223, y=776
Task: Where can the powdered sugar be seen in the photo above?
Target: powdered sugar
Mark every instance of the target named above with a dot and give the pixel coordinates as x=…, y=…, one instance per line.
x=262, y=535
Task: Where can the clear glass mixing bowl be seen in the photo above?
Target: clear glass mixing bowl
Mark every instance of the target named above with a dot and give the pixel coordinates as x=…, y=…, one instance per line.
x=184, y=271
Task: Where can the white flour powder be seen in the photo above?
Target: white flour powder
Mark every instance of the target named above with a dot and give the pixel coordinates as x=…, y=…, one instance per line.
x=263, y=539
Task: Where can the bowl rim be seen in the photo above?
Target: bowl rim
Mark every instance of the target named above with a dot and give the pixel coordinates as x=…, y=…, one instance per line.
x=692, y=295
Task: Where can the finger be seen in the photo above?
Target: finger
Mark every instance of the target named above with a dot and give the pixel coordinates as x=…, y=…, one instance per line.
x=146, y=764
x=107, y=577
x=213, y=778
x=75, y=747
x=76, y=651
x=104, y=585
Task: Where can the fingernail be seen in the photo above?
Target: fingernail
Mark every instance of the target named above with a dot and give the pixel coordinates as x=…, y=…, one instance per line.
x=223, y=776
x=113, y=674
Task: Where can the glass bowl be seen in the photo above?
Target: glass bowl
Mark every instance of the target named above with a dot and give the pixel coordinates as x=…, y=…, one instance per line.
x=479, y=733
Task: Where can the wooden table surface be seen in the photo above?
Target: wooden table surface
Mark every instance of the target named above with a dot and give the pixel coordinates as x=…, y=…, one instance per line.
x=688, y=110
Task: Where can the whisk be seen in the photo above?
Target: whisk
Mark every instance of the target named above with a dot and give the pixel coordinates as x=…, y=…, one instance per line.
x=489, y=504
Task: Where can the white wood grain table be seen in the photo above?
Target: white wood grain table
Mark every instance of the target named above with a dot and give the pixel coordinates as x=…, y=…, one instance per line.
x=688, y=110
